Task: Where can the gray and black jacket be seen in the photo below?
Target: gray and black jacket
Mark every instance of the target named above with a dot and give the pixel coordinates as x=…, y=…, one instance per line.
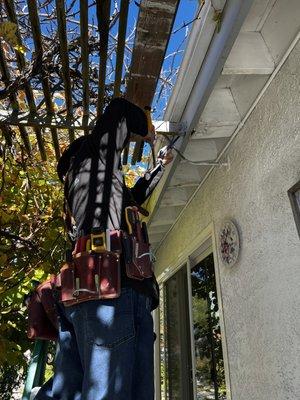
x=95, y=190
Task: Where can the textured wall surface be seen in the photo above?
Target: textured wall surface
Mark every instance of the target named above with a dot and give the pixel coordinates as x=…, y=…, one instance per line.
x=261, y=294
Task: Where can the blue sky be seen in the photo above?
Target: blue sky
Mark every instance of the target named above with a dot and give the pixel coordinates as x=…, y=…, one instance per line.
x=186, y=12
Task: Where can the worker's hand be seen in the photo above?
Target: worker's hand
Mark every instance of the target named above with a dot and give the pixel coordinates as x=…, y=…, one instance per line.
x=165, y=156
x=151, y=136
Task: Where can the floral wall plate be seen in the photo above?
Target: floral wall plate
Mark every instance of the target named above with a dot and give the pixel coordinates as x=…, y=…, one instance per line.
x=229, y=243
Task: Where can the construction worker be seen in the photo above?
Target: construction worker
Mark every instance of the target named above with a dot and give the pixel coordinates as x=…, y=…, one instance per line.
x=105, y=347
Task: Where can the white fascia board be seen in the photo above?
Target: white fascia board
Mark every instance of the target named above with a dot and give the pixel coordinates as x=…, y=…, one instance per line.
x=200, y=37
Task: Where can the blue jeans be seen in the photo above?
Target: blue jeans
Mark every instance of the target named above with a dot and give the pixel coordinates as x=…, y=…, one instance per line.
x=105, y=351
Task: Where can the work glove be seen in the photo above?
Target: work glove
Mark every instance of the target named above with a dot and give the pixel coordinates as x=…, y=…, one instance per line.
x=165, y=156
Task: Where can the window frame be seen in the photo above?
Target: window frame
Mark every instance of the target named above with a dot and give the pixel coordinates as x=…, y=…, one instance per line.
x=203, y=244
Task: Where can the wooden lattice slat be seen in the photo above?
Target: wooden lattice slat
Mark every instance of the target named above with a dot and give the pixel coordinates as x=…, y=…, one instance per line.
x=11, y=13
x=153, y=31
x=103, y=13
x=84, y=55
x=14, y=101
x=7, y=134
x=65, y=67
x=37, y=39
x=121, y=45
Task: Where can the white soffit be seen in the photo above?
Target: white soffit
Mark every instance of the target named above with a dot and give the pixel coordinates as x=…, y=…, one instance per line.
x=220, y=116
x=165, y=216
x=186, y=175
x=257, y=15
x=281, y=27
x=249, y=55
x=175, y=197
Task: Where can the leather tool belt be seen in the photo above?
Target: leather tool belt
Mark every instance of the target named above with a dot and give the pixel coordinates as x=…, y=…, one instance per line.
x=94, y=271
x=138, y=258
x=137, y=251
x=42, y=316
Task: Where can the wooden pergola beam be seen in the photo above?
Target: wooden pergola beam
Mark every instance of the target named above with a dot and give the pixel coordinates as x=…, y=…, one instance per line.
x=60, y=122
x=37, y=39
x=103, y=13
x=153, y=32
x=84, y=37
x=11, y=12
x=121, y=46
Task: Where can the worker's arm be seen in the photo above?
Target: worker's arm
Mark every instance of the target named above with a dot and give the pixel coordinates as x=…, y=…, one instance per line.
x=146, y=184
x=65, y=160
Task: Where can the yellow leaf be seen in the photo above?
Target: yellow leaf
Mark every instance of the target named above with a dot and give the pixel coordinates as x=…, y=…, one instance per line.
x=8, y=272
x=8, y=30
x=3, y=259
x=20, y=48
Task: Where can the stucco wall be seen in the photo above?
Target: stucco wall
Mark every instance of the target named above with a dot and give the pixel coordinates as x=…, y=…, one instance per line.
x=261, y=294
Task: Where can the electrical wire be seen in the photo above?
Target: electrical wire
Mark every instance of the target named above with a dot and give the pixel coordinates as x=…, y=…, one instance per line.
x=181, y=155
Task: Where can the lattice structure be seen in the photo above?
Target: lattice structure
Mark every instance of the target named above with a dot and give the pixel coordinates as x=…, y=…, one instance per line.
x=75, y=61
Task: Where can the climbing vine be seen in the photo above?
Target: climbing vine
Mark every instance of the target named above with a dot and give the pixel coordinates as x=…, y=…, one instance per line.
x=32, y=242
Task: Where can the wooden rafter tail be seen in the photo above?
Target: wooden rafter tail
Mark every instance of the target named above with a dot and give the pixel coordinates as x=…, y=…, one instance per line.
x=71, y=135
x=121, y=46
x=140, y=155
x=6, y=131
x=25, y=139
x=154, y=27
x=55, y=143
x=125, y=155
x=84, y=36
x=137, y=152
x=40, y=142
x=37, y=38
x=63, y=47
x=11, y=12
x=103, y=14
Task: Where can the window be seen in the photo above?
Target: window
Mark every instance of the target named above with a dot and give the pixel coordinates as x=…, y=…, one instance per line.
x=209, y=366
x=177, y=370
x=191, y=356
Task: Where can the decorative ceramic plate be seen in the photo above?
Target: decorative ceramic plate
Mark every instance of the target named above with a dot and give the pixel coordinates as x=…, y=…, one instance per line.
x=229, y=243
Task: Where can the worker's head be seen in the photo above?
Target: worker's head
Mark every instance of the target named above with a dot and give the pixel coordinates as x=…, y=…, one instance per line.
x=115, y=112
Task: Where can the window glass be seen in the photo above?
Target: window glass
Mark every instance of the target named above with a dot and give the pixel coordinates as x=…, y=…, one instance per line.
x=210, y=376
x=178, y=373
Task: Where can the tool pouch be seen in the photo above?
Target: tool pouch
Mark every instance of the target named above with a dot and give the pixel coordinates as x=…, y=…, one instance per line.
x=137, y=258
x=90, y=277
x=42, y=314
